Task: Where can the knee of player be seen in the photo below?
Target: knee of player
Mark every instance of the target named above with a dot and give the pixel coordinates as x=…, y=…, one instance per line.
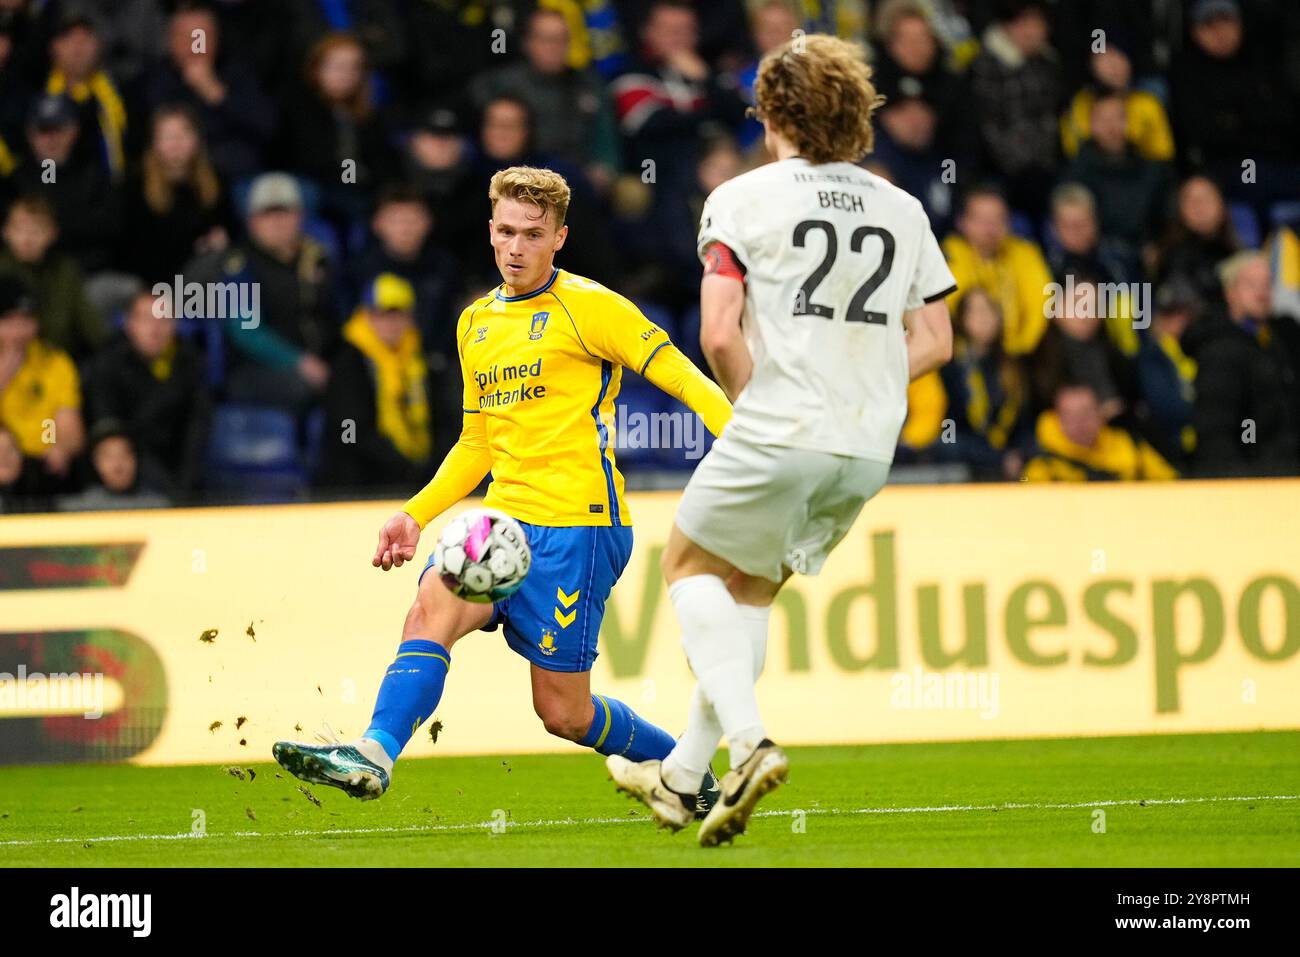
x=669, y=562
x=564, y=721
x=418, y=622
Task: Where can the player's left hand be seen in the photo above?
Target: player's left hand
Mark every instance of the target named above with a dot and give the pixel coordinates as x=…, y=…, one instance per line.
x=397, y=541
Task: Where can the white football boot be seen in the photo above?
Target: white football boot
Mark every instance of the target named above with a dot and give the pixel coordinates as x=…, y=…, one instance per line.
x=762, y=773
x=641, y=780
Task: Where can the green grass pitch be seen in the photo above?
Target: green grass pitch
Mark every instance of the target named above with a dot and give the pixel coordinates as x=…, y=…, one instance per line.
x=1181, y=800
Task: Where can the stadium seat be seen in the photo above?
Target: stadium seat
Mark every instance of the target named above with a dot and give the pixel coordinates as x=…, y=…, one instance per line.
x=1023, y=226
x=314, y=439
x=254, y=451
x=1246, y=224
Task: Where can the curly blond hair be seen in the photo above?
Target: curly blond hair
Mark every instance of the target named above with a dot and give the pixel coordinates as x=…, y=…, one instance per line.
x=543, y=188
x=816, y=91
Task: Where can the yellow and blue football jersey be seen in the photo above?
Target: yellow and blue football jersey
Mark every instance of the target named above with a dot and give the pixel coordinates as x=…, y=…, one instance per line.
x=541, y=374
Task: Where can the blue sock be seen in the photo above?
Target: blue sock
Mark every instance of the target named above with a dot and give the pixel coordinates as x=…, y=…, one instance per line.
x=410, y=691
x=617, y=729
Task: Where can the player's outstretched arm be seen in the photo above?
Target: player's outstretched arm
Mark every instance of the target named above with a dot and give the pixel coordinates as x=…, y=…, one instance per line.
x=459, y=474
x=670, y=371
x=929, y=338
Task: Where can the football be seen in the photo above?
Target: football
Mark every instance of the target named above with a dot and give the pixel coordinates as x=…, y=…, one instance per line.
x=482, y=555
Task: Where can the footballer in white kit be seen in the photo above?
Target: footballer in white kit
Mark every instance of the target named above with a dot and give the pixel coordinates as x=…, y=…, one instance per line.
x=822, y=298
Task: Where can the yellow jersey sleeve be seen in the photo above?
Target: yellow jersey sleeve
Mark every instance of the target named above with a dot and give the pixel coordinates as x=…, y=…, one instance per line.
x=612, y=327
x=468, y=461
x=624, y=334
x=669, y=370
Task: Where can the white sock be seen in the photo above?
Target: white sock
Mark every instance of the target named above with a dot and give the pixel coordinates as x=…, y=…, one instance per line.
x=375, y=752
x=722, y=657
x=683, y=769
x=756, y=618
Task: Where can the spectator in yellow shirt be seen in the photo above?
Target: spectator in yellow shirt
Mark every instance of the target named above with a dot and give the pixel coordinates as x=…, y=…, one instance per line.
x=40, y=394
x=984, y=254
x=1147, y=125
x=1074, y=444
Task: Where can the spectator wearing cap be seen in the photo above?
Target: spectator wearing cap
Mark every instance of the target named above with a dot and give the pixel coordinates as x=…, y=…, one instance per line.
x=1111, y=74
x=401, y=227
x=1076, y=245
x=380, y=426
x=282, y=357
x=1200, y=237
x=76, y=72
x=117, y=482
x=984, y=253
x=86, y=202
x=40, y=391
x=436, y=161
x=331, y=131
x=911, y=62
x=236, y=114
x=1073, y=443
x=1167, y=375
x=574, y=118
x=68, y=321
x=1131, y=191
x=1231, y=102
x=154, y=384
x=1016, y=83
x=905, y=145
x=176, y=204
x=1247, y=406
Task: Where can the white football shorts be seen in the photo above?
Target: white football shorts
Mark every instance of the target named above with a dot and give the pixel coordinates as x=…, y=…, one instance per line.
x=766, y=508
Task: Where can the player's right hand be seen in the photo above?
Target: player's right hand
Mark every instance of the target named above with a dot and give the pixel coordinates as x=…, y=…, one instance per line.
x=397, y=541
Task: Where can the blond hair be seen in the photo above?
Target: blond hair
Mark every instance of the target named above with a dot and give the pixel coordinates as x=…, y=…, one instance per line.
x=543, y=188
x=816, y=92
x=1229, y=269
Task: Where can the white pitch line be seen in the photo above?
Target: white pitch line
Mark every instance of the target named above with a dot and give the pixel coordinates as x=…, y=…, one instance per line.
x=578, y=822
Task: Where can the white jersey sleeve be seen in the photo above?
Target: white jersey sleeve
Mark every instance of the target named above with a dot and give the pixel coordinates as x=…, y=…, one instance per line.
x=720, y=223
x=834, y=256
x=933, y=279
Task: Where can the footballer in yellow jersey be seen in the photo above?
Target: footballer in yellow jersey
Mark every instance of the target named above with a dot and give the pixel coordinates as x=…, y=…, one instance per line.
x=542, y=357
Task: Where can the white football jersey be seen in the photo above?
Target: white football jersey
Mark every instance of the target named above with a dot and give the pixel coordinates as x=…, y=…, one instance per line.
x=834, y=255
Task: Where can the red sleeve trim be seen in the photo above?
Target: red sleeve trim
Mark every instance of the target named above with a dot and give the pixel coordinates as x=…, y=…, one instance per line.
x=719, y=259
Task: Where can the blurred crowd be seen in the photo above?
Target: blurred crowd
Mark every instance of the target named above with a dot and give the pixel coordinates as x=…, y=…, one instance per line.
x=1116, y=183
